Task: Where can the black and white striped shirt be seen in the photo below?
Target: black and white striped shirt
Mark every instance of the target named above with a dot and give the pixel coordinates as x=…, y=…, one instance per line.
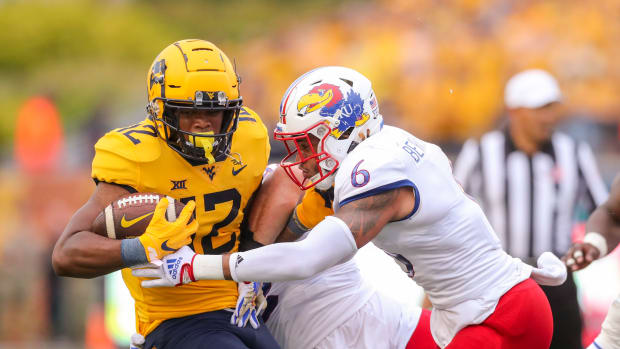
x=531, y=200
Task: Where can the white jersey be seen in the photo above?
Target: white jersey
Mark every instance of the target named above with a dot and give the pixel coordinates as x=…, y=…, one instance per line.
x=609, y=338
x=309, y=313
x=446, y=242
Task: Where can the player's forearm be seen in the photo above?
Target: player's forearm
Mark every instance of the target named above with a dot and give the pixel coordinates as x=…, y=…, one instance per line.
x=86, y=255
x=277, y=262
x=613, y=233
x=275, y=201
x=328, y=244
x=602, y=221
x=287, y=235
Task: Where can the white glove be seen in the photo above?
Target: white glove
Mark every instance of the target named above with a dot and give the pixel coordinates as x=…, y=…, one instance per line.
x=136, y=341
x=550, y=272
x=250, y=304
x=176, y=269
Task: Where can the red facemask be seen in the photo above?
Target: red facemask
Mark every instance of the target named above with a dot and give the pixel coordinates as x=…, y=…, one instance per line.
x=294, y=143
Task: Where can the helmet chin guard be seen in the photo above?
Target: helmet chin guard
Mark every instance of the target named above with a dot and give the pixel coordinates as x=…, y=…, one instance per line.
x=335, y=105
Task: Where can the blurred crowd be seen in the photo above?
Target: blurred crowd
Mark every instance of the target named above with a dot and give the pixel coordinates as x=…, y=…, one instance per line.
x=438, y=68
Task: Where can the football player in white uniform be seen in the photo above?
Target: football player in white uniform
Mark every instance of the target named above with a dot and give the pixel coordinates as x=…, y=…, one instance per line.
x=336, y=308
x=398, y=191
x=603, y=229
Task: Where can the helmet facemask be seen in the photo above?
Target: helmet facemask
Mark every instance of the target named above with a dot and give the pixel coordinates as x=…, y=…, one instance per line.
x=200, y=147
x=310, y=141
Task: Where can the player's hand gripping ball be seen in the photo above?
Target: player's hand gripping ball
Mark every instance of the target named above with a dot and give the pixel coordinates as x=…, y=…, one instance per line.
x=128, y=216
x=162, y=224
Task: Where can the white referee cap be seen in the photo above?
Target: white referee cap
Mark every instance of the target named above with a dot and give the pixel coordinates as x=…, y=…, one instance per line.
x=531, y=89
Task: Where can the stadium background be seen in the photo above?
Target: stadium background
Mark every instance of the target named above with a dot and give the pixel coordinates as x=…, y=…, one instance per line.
x=70, y=70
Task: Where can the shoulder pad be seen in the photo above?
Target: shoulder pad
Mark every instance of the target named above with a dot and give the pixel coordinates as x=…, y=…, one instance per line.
x=247, y=114
x=251, y=126
x=369, y=172
x=314, y=207
x=249, y=120
x=139, y=143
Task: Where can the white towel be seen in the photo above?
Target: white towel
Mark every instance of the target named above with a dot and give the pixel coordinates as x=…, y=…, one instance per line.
x=550, y=272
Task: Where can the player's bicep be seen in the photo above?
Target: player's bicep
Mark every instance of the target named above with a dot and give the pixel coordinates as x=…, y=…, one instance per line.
x=367, y=216
x=272, y=206
x=81, y=253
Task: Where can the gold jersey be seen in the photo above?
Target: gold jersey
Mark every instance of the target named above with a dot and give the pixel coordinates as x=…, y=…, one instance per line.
x=314, y=206
x=136, y=157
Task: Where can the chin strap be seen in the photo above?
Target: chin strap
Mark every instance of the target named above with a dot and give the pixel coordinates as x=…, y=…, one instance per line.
x=326, y=183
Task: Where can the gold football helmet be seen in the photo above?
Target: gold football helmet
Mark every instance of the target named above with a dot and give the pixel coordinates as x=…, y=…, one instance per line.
x=194, y=75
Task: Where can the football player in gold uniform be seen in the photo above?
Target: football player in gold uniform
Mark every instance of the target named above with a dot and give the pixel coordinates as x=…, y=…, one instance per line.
x=199, y=145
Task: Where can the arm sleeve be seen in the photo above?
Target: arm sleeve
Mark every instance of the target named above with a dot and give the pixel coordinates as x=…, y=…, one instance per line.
x=595, y=187
x=328, y=244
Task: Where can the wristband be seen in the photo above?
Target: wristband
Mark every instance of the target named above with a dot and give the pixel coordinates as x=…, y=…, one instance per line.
x=597, y=240
x=295, y=225
x=208, y=267
x=132, y=253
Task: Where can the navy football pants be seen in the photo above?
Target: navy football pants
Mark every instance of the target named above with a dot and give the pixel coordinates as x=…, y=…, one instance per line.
x=209, y=330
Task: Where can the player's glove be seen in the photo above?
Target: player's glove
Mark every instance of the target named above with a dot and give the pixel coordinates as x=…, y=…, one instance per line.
x=136, y=341
x=161, y=237
x=175, y=270
x=250, y=304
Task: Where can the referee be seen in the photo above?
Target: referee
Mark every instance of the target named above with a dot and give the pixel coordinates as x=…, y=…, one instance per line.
x=529, y=180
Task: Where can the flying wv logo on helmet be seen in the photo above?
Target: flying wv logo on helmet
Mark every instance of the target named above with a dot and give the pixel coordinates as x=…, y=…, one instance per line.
x=330, y=102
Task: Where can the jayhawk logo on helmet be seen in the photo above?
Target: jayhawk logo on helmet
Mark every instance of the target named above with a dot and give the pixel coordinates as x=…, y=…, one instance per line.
x=326, y=97
x=330, y=102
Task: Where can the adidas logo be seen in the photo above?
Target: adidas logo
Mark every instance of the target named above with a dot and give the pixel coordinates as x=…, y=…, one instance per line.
x=171, y=262
x=173, y=266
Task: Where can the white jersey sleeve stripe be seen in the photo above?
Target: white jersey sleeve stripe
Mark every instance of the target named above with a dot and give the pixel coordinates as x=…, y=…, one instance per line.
x=377, y=190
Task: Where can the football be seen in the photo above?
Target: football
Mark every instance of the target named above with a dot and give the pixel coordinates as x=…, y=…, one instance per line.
x=129, y=215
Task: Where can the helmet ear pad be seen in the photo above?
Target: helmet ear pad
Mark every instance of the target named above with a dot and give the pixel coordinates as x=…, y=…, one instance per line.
x=171, y=119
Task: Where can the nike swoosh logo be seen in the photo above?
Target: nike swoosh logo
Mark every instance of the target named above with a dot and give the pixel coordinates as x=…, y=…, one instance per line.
x=128, y=223
x=164, y=246
x=236, y=172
